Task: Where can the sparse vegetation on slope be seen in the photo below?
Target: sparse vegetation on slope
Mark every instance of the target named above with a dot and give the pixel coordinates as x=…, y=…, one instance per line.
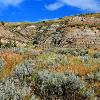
x=51, y=60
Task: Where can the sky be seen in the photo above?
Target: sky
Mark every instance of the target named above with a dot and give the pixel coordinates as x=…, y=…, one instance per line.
x=39, y=10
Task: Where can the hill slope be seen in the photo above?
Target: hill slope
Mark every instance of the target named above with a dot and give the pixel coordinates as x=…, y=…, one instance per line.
x=53, y=60
x=74, y=31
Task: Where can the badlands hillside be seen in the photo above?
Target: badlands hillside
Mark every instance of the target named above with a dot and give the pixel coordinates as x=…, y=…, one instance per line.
x=51, y=60
x=74, y=31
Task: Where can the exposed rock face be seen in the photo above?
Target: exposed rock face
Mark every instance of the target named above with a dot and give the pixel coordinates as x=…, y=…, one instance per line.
x=76, y=37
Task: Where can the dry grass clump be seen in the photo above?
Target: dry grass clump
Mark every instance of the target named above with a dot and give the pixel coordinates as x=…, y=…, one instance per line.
x=11, y=60
x=78, y=65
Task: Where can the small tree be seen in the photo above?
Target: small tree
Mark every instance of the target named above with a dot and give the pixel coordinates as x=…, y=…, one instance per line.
x=2, y=23
x=0, y=44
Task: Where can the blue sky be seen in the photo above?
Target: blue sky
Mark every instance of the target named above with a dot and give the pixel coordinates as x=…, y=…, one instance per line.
x=38, y=10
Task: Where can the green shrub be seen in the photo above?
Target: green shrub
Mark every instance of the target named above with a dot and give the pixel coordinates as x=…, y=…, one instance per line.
x=50, y=58
x=96, y=55
x=83, y=52
x=9, y=45
x=50, y=85
x=68, y=51
x=1, y=44
x=94, y=76
x=1, y=63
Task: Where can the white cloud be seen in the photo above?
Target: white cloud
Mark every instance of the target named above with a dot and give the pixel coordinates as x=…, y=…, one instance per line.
x=92, y=5
x=54, y=6
x=5, y=3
